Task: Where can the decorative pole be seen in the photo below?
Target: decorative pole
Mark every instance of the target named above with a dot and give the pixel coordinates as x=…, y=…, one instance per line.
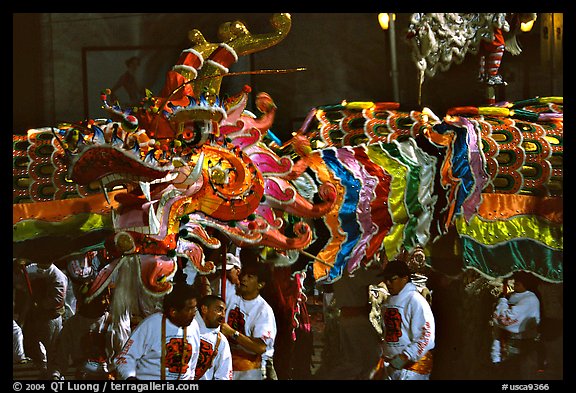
x=223, y=274
x=393, y=59
x=387, y=22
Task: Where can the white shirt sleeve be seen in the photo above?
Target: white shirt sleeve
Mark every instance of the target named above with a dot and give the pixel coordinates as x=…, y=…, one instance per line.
x=265, y=327
x=134, y=348
x=422, y=329
x=517, y=316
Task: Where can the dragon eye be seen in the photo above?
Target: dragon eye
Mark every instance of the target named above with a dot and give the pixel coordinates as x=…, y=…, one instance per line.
x=196, y=132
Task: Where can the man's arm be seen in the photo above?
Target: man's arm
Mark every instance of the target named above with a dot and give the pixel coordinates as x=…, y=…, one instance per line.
x=511, y=317
x=253, y=344
x=423, y=329
x=136, y=347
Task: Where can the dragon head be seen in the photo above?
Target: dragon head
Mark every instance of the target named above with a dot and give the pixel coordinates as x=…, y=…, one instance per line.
x=182, y=161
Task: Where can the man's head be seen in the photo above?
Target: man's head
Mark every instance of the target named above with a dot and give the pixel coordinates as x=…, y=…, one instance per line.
x=523, y=281
x=180, y=304
x=213, y=310
x=253, y=277
x=44, y=264
x=396, y=274
x=233, y=267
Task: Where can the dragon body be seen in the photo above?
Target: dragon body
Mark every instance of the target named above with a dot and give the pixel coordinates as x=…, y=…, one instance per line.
x=167, y=180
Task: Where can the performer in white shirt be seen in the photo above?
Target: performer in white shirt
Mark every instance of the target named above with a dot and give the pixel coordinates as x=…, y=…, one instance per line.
x=215, y=360
x=250, y=324
x=516, y=320
x=409, y=326
x=166, y=345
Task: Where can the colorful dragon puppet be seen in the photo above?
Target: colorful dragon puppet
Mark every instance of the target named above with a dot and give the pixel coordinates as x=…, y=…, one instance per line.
x=489, y=178
x=154, y=184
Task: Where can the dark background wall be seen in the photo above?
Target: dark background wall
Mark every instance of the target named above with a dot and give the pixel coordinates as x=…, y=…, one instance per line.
x=28, y=100
x=346, y=56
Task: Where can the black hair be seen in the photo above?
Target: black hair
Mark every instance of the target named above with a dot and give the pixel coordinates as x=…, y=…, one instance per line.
x=396, y=267
x=250, y=255
x=258, y=269
x=252, y=264
x=209, y=300
x=176, y=299
x=528, y=279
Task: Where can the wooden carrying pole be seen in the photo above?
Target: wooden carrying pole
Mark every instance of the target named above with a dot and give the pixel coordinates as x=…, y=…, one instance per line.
x=223, y=272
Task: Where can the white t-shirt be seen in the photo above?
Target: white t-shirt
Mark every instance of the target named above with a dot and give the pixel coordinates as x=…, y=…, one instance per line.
x=230, y=288
x=221, y=367
x=409, y=325
x=141, y=355
x=519, y=314
x=253, y=318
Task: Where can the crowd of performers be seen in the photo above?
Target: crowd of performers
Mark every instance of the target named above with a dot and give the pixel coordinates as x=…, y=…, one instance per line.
x=200, y=332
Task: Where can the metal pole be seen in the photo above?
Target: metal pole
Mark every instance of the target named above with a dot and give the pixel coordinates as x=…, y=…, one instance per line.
x=223, y=273
x=393, y=59
x=552, y=35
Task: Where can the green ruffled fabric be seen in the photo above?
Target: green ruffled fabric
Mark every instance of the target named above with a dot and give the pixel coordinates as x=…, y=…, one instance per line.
x=79, y=224
x=502, y=259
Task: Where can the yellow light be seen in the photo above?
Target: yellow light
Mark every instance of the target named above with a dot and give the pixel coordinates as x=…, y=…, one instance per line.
x=526, y=26
x=384, y=20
